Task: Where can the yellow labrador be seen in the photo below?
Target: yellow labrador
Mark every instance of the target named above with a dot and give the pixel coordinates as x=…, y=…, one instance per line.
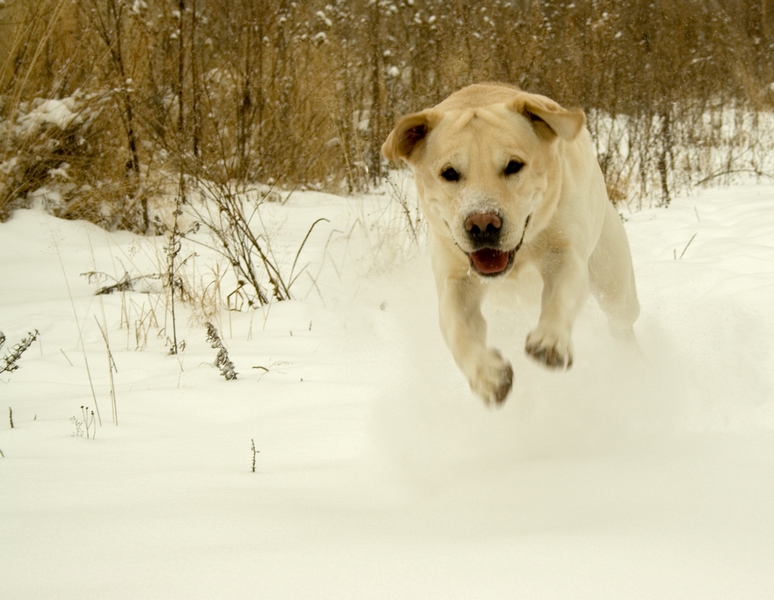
x=506, y=178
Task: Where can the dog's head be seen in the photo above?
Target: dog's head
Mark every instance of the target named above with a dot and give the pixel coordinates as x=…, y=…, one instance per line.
x=488, y=174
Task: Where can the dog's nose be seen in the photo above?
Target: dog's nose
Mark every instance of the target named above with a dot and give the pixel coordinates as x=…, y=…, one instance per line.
x=483, y=228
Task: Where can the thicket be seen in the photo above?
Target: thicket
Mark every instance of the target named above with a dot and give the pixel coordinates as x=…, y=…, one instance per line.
x=152, y=93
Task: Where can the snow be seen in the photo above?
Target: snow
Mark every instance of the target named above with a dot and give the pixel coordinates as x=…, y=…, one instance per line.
x=646, y=475
x=60, y=113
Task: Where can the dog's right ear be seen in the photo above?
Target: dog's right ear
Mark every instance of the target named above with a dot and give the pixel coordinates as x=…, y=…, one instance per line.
x=409, y=135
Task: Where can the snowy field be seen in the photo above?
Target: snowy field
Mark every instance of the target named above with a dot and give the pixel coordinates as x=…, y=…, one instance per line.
x=379, y=475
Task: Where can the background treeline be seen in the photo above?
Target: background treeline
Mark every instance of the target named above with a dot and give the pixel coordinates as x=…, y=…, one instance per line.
x=302, y=94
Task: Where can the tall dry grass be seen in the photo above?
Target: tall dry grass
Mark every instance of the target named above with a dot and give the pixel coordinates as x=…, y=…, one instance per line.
x=295, y=94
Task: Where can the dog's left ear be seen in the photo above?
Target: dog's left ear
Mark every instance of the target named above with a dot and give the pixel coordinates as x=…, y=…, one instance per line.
x=549, y=118
x=409, y=135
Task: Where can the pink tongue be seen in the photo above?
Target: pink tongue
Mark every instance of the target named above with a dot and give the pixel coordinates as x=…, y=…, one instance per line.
x=490, y=261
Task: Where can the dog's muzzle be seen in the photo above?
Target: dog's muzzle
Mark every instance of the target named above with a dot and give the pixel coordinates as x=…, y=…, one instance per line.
x=484, y=230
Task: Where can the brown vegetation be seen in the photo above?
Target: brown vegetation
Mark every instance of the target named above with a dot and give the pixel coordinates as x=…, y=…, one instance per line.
x=302, y=93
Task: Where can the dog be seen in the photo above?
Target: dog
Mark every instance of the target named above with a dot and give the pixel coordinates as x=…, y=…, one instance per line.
x=507, y=179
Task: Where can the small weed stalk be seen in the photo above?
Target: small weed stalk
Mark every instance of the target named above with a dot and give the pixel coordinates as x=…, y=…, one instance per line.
x=10, y=416
x=10, y=362
x=172, y=251
x=222, y=360
x=254, y=451
x=686, y=247
x=145, y=320
x=103, y=329
x=88, y=422
x=111, y=368
x=78, y=326
x=78, y=425
x=173, y=281
x=86, y=427
x=411, y=213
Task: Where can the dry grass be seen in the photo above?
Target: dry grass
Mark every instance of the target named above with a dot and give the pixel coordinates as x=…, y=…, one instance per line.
x=301, y=94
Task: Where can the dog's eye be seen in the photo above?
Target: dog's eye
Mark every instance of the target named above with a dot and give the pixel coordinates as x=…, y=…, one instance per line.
x=450, y=174
x=513, y=167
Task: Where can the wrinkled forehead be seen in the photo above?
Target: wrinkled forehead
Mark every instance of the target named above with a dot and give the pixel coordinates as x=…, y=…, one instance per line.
x=491, y=133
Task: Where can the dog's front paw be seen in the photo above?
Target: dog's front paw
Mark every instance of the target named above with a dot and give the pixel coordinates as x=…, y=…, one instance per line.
x=551, y=350
x=492, y=378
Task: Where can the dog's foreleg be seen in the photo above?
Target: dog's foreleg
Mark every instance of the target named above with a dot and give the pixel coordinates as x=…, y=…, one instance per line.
x=464, y=329
x=565, y=288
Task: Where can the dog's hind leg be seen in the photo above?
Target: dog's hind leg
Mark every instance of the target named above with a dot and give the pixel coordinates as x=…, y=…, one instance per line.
x=611, y=276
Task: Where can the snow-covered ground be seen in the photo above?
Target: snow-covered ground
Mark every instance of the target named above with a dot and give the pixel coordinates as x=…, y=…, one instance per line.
x=379, y=475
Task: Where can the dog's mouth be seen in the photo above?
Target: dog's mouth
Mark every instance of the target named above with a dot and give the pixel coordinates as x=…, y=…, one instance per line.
x=491, y=262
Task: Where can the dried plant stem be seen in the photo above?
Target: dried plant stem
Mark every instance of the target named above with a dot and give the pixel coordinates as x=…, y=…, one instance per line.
x=686, y=246
x=78, y=327
x=222, y=361
x=254, y=451
x=103, y=329
x=66, y=357
x=172, y=251
x=111, y=367
x=10, y=362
